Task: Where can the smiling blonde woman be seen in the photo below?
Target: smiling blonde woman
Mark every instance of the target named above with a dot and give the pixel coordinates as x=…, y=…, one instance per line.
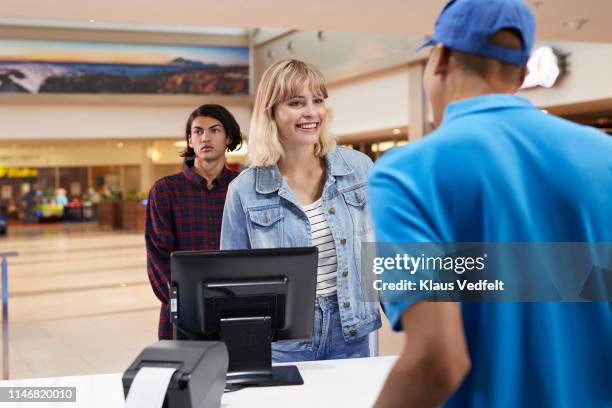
x=302, y=190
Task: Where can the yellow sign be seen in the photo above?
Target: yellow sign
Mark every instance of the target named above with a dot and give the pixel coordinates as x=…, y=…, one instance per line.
x=15, y=172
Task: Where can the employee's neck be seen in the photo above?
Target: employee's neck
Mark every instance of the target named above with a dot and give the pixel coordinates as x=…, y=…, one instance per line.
x=467, y=86
x=209, y=169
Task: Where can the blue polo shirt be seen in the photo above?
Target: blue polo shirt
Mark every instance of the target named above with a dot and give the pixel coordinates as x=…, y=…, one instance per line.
x=499, y=169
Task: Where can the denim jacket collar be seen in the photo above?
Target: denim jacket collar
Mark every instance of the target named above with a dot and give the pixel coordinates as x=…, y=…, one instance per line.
x=269, y=179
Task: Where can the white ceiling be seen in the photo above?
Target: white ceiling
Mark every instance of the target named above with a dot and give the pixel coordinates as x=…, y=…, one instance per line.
x=399, y=16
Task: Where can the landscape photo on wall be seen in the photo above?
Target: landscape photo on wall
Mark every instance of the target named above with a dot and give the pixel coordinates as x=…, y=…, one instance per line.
x=29, y=66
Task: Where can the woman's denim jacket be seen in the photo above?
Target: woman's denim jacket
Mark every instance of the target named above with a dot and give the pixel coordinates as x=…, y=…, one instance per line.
x=261, y=211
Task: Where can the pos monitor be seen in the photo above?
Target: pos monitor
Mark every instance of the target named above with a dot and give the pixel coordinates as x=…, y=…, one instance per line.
x=247, y=298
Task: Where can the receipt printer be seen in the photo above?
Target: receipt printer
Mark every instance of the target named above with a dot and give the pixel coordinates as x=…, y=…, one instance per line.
x=199, y=379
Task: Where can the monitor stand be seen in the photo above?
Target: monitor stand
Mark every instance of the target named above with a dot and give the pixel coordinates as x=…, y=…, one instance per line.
x=249, y=345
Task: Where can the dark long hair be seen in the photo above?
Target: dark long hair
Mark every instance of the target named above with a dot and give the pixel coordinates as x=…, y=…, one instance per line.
x=232, y=130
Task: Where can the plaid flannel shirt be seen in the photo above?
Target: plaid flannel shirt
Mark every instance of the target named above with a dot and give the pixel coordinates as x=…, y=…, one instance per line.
x=182, y=214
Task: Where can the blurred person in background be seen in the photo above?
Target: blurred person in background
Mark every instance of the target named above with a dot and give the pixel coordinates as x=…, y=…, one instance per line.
x=184, y=210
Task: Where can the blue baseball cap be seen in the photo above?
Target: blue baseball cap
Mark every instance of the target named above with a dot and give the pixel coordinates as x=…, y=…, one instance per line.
x=467, y=25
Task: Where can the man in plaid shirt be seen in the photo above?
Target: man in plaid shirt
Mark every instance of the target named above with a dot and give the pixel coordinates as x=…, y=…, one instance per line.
x=184, y=210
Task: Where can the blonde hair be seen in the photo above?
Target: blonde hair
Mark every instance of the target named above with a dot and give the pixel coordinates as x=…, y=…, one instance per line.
x=280, y=82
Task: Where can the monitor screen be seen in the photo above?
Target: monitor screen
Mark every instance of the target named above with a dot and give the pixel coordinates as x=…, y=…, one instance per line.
x=246, y=298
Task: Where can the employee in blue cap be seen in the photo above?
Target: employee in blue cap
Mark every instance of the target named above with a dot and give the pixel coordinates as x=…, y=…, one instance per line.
x=496, y=169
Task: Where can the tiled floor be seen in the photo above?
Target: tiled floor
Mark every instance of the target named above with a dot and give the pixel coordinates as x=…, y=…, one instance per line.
x=80, y=301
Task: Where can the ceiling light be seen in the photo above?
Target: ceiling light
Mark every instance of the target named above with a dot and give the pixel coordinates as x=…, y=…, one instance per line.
x=156, y=155
x=120, y=145
x=92, y=20
x=384, y=146
x=397, y=131
x=576, y=24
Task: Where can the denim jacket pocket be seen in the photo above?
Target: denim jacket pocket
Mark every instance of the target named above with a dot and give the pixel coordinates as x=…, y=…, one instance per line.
x=265, y=226
x=356, y=197
x=357, y=200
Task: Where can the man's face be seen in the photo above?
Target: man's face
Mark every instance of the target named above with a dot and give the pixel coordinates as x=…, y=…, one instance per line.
x=208, y=138
x=434, y=85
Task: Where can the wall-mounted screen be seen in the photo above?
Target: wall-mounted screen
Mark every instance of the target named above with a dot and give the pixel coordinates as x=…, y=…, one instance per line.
x=28, y=66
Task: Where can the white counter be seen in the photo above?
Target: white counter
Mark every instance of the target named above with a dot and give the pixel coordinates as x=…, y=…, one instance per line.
x=352, y=383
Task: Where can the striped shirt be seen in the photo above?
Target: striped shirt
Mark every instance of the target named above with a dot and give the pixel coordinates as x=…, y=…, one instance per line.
x=324, y=241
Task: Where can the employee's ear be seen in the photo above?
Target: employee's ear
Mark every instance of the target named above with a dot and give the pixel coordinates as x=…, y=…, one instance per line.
x=524, y=73
x=441, y=59
x=189, y=141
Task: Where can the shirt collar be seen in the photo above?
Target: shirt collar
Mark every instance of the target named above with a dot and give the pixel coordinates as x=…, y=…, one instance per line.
x=220, y=182
x=268, y=179
x=484, y=103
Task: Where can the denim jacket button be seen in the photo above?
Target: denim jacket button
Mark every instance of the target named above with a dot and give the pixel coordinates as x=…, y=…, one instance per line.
x=346, y=305
x=353, y=333
x=343, y=241
x=332, y=211
x=344, y=274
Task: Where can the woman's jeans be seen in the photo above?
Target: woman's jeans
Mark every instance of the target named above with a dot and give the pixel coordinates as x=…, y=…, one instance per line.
x=327, y=341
